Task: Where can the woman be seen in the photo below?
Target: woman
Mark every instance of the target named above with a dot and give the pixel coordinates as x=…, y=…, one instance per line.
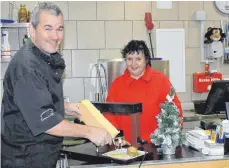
x=139, y=83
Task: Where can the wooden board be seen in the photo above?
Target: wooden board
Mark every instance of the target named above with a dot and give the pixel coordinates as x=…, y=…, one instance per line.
x=89, y=118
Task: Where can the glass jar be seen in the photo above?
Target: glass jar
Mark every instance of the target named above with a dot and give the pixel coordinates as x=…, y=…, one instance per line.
x=22, y=14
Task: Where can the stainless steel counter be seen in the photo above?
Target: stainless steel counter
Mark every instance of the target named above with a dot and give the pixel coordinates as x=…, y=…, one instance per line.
x=157, y=162
x=198, y=117
x=188, y=155
x=185, y=155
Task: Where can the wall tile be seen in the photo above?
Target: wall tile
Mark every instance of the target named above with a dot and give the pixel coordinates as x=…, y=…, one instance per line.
x=224, y=69
x=136, y=10
x=67, y=54
x=110, y=54
x=110, y=10
x=82, y=10
x=188, y=9
x=186, y=29
x=70, y=31
x=140, y=32
x=165, y=14
x=81, y=60
x=194, y=34
x=193, y=58
x=212, y=13
x=186, y=96
x=208, y=24
x=226, y=77
x=3, y=69
x=5, y=10
x=171, y=24
x=74, y=89
x=63, y=5
x=91, y=34
x=13, y=38
x=118, y=33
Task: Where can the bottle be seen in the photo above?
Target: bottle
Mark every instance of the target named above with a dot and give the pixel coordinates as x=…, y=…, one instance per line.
x=28, y=16
x=14, y=12
x=22, y=14
x=6, y=51
x=206, y=68
x=25, y=39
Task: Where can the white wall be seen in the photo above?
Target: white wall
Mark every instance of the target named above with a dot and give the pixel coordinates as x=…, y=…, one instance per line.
x=100, y=29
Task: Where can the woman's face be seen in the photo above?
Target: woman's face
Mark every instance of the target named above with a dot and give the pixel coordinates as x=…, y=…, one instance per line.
x=136, y=64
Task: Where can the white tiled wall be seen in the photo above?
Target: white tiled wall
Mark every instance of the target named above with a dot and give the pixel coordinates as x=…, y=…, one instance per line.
x=82, y=10
x=135, y=10
x=110, y=10
x=118, y=33
x=70, y=35
x=74, y=88
x=81, y=60
x=100, y=29
x=91, y=34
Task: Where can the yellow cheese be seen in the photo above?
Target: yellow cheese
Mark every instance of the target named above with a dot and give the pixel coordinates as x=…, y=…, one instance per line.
x=92, y=117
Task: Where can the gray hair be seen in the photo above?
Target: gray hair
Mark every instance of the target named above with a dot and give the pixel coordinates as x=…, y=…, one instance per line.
x=44, y=6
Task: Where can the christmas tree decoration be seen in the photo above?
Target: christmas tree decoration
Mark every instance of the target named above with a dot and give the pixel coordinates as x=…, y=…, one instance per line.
x=168, y=134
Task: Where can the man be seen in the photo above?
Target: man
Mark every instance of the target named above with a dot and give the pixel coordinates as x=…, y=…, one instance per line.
x=33, y=105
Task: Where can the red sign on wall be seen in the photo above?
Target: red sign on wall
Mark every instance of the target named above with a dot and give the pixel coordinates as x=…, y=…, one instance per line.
x=202, y=82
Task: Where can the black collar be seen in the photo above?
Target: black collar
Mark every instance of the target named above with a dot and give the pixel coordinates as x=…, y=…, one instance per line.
x=55, y=60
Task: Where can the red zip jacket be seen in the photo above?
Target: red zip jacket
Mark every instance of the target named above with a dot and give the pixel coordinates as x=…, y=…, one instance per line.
x=151, y=90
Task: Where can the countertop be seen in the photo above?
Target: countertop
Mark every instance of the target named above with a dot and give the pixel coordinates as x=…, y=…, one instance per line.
x=87, y=153
x=78, y=156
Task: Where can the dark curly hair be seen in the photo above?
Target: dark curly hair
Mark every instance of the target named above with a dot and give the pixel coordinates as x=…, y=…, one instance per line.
x=137, y=46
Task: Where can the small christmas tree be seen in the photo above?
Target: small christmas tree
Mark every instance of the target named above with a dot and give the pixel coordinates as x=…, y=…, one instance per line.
x=169, y=124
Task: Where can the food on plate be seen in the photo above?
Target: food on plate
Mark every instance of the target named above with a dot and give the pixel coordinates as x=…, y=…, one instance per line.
x=132, y=151
x=117, y=155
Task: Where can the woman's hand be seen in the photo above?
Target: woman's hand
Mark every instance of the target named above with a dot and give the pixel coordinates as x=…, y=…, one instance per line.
x=72, y=109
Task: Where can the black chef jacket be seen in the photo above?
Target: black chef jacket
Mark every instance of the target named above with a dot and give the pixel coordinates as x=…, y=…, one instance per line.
x=32, y=103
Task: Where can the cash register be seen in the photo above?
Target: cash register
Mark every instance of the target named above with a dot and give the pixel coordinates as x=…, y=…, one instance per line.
x=215, y=103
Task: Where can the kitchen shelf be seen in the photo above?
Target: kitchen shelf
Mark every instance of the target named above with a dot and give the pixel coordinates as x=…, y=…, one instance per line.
x=14, y=25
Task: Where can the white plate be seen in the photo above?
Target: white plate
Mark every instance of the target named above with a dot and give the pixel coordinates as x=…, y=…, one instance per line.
x=121, y=154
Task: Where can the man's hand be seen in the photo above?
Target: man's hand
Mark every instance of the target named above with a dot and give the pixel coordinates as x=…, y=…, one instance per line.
x=99, y=136
x=72, y=109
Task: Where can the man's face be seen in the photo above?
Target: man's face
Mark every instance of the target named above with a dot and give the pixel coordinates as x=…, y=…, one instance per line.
x=136, y=64
x=49, y=32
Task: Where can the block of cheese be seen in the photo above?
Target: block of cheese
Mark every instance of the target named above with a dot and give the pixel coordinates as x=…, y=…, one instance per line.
x=93, y=117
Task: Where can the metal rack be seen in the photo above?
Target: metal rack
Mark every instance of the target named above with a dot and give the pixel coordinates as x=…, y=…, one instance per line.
x=11, y=26
x=14, y=25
